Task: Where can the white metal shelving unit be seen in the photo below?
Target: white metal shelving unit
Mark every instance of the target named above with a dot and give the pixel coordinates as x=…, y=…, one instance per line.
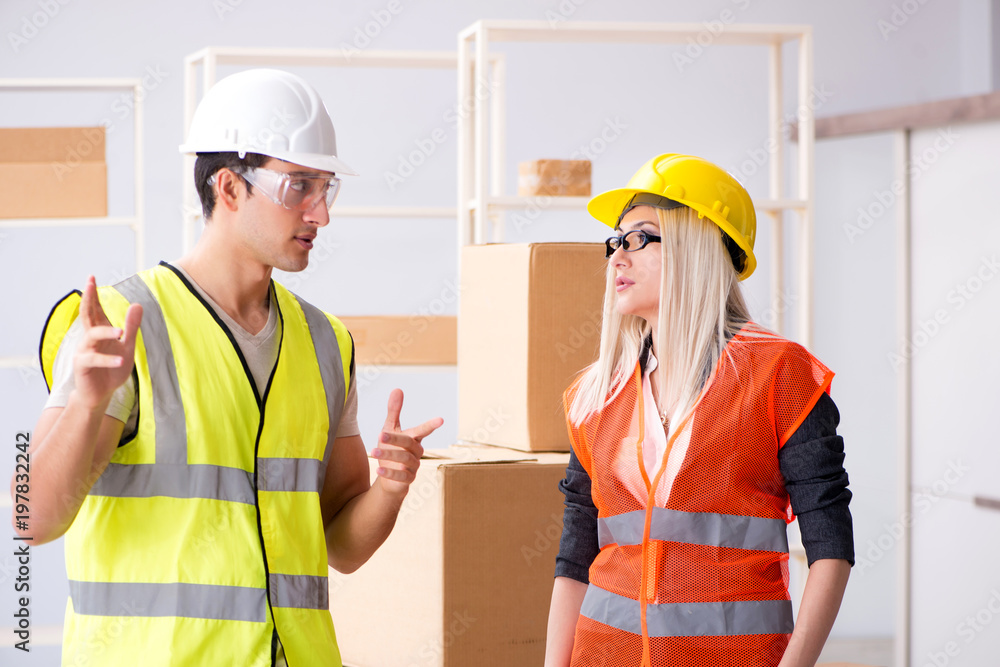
x=210, y=58
x=135, y=222
x=481, y=133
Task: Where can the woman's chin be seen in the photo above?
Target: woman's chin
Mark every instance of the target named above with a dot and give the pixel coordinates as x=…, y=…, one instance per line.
x=627, y=309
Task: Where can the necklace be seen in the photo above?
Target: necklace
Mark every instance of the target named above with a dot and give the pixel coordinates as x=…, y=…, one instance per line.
x=665, y=420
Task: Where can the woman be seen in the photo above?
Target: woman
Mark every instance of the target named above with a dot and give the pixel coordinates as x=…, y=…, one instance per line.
x=696, y=435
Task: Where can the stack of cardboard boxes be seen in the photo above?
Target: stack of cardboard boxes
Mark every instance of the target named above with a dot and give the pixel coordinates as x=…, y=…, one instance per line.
x=466, y=576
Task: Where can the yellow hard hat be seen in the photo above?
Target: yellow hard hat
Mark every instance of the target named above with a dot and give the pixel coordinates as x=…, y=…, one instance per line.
x=674, y=179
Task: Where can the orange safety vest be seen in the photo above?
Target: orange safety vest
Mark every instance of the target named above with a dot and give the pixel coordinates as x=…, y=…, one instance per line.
x=698, y=575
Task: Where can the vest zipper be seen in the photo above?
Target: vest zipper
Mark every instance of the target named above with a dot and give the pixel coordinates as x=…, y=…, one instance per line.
x=256, y=447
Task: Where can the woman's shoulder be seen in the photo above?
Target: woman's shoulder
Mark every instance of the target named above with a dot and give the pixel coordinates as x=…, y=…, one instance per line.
x=756, y=338
x=762, y=348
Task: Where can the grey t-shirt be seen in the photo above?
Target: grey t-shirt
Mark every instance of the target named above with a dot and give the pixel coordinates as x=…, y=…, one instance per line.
x=260, y=351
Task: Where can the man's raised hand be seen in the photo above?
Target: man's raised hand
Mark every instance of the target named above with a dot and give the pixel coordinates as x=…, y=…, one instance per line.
x=106, y=354
x=399, y=451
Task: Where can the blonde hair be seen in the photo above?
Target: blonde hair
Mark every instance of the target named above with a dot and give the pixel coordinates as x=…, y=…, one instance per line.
x=701, y=306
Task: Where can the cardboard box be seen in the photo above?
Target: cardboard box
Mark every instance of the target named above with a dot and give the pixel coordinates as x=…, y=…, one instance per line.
x=529, y=322
x=557, y=178
x=53, y=172
x=466, y=576
x=396, y=340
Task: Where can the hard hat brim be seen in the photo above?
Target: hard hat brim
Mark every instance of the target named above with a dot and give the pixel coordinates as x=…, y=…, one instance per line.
x=607, y=208
x=312, y=160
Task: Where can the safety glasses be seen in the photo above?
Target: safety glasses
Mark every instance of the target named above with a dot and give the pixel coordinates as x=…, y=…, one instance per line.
x=629, y=242
x=296, y=192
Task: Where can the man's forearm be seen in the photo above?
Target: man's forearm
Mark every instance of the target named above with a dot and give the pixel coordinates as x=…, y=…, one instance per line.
x=361, y=527
x=62, y=468
x=820, y=603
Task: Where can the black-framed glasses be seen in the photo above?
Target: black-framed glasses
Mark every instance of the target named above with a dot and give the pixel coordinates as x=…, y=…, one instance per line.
x=629, y=242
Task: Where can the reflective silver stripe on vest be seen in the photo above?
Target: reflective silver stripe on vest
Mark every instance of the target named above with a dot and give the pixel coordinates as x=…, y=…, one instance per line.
x=175, y=481
x=171, y=476
x=288, y=474
x=689, y=619
x=168, y=409
x=716, y=530
x=299, y=591
x=228, y=603
x=331, y=370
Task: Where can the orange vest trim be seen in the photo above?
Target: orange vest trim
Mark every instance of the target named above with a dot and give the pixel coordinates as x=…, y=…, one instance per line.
x=697, y=574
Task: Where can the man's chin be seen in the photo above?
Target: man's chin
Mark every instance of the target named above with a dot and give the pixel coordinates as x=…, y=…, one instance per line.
x=293, y=265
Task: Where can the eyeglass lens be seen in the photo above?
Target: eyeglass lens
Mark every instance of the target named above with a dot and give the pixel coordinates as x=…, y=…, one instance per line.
x=636, y=242
x=303, y=193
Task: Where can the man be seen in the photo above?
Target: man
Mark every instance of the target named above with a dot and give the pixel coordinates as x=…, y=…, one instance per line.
x=206, y=466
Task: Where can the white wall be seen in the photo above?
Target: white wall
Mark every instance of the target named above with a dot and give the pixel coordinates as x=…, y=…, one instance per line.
x=559, y=99
x=956, y=312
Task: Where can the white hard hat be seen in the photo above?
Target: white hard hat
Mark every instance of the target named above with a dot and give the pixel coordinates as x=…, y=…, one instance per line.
x=269, y=112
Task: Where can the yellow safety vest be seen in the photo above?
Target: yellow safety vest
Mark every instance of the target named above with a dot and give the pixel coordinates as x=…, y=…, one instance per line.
x=202, y=543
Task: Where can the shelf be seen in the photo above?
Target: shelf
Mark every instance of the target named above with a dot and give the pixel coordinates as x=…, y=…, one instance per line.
x=394, y=212
x=69, y=222
x=554, y=203
x=255, y=57
x=69, y=84
x=23, y=361
x=550, y=202
x=136, y=222
x=633, y=33
x=482, y=162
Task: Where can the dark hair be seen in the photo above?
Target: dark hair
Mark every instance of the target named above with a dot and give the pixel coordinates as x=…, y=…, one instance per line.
x=208, y=163
x=736, y=253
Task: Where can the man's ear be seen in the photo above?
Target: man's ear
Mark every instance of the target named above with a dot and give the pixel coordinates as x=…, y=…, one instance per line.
x=229, y=187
